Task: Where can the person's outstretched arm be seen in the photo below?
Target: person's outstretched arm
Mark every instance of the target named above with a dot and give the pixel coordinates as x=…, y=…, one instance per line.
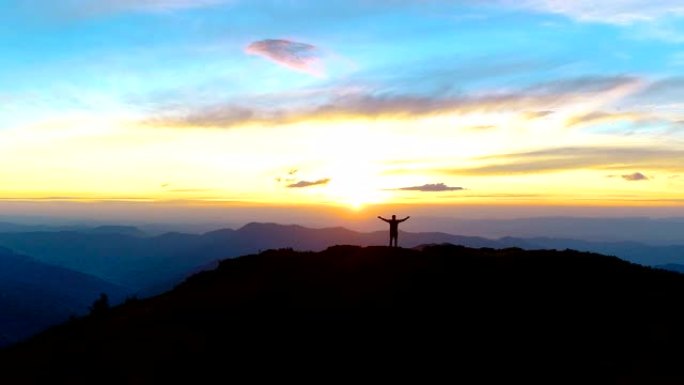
x=386, y=220
x=404, y=219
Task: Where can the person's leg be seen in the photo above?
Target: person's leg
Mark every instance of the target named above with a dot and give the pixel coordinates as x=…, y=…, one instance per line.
x=390, y=245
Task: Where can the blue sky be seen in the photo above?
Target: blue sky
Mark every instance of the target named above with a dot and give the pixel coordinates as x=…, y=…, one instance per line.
x=247, y=91
x=128, y=51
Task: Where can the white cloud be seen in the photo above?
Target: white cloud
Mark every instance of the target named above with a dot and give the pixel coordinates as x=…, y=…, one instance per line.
x=606, y=11
x=107, y=6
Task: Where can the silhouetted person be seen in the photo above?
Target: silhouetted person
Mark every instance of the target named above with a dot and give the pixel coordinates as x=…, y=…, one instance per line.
x=394, y=228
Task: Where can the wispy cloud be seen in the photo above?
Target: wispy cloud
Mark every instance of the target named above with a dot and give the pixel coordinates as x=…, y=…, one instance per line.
x=662, y=91
x=533, y=102
x=613, y=12
x=436, y=187
x=571, y=158
x=604, y=117
x=225, y=116
x=97, y=7
x=304, y=183
x=164, y=5
x=637, y=176
x=294, y=55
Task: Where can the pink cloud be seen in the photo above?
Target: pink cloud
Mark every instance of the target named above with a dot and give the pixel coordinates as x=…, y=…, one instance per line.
x=294, y=55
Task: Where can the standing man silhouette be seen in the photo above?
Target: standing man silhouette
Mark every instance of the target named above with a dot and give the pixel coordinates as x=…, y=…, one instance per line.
x=394, y=228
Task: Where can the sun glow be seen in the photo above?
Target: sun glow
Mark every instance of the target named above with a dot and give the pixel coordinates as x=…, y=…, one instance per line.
x=356, y=182
x=358, y=161
x=349, y=155
x=355, y=196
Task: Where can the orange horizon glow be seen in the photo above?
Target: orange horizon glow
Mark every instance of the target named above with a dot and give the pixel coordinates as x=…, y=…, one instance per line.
x=364, y=162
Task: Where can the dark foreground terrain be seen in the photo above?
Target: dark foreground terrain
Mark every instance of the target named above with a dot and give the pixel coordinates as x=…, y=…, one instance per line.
x=379, y=314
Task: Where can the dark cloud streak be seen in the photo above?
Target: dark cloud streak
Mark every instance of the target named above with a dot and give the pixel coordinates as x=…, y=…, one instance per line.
x=304, y=183
x=637, y=176
x=436, y=187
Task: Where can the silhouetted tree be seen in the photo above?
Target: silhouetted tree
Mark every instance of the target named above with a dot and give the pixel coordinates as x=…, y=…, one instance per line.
x=100, y=306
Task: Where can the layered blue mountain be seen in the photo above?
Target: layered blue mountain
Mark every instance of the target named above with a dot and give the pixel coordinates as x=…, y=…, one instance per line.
x=35, y=295
x=151, y=264
x=141, y=263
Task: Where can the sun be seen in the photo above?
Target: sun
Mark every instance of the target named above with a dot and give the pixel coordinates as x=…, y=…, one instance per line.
x=355, y=185
x=347, y=154
x=354, y=197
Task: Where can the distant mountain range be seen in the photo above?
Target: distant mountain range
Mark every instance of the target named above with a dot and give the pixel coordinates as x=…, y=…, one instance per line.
x=652, y=231
x=433, y=314
x=124, y=256
x=9, y=227
x=131, y=260
x=35, y=295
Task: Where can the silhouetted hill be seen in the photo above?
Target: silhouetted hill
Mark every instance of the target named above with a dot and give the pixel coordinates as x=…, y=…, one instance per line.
x=379, y=314
x=34, y=295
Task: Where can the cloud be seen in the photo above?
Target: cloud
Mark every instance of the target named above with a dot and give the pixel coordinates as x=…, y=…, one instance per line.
x=88, y=8
x=538, y=114
x=612, y=12
x=227, y=115
x=604, y=117
x=662, y=91
x=582, y=85
x=570, y=158
x=544, y=96
x=294, y=55
x=304, y=183
x=364, y=103
x=637, y=176
x=163, y=5
x=436, y=187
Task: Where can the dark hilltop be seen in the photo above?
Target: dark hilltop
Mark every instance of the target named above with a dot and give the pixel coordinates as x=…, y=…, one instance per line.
x=352, y=313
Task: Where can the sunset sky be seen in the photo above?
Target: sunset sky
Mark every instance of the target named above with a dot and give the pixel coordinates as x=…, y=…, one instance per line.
x=346, y=103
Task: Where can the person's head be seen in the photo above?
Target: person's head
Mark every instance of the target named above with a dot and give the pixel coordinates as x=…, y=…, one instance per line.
x=394, y=217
